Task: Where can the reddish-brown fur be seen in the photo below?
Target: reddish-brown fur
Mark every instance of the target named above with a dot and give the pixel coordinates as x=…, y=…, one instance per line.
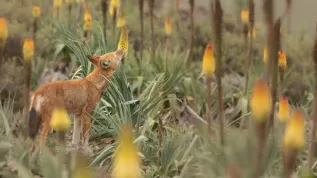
x=78, y=96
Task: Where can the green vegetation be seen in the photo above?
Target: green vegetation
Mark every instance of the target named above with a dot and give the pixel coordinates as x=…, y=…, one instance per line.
x=165, y=91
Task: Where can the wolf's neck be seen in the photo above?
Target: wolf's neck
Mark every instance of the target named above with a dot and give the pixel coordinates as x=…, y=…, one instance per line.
x=98, y=79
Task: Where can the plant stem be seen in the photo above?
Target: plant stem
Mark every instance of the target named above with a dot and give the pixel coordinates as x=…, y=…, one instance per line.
x=249, y=58
x=1, y=55
x=209, y=102
x=260, y=146
x=114, y=19
x=268, y=14
x=104, y=5
x=151, y=7
x=69, y=13
x=311, y=147
x=141, y=5
x=192, y=25
x=27, y=79
x=217, y=26
x=34, y=34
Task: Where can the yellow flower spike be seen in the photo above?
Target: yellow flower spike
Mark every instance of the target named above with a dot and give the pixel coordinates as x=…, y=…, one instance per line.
x=244, y=16
x=124, y=40
x=114, y=4
x=265, y=54
x=294, y=135
x=168, y=26
x=60, y=120
x=68, y=2
x=82, y=169
x=87, y=20
x=261, y=100
x=126, y=159
x=121, y=20
x=57, y=3
x=209, y=64
x=3, y=31
x=282, y=61
x=283, y=113
x=36, y=11
x=28, y=50
x=253, y=33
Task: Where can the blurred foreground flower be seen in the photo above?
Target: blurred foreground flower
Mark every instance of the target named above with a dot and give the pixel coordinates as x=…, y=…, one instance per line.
x=283, y=113
x=208, y=64
x=126, y=158
x=28, y=50
x=124, y=40
x=282, y=61
x=261, y=101
x=294, y=132
x=244, y=16
x=60, y=120
x=36, y=11
x=121, y=20
x=168, y=26
x=3, y=31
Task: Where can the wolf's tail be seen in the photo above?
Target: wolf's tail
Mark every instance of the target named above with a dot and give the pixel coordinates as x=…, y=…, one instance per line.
x=34, y=123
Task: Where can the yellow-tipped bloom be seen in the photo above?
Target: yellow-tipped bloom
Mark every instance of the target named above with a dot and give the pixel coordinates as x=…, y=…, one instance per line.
x=87, y=20
x=28, y=50
x=283, y=113
x=244, y=16
x=265, y=54
x=261, y=101
x=60, y=120
x=3, y=31
x=57, y=3
x=282, y=61
x=124, y=40
x=114, y=5
x=36, y=11
x=253, y=33
x=168, y=26
x=126, y=159
x=121, y=20
x=68, y=2
x=294, y=132
x=82, y=169
x=209, y=64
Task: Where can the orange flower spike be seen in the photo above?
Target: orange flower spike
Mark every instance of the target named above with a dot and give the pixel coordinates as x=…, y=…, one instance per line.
x=87, y=20
x=283, y=114
x=208, y=64
x=294, y=136
x=36, y=11
x=282, y=61
x=244, y=16
x=3, y=31
x=28, y=50
x=265, y=54
x=168, y=26
x=261, y=100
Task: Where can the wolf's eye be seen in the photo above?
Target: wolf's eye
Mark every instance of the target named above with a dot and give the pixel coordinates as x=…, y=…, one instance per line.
x=104, y=64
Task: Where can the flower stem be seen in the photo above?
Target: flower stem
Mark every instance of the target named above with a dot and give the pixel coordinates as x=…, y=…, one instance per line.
x=27, y=78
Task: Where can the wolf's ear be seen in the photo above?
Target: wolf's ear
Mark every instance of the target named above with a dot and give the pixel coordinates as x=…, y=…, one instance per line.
x=120, y=54
x=94, y=59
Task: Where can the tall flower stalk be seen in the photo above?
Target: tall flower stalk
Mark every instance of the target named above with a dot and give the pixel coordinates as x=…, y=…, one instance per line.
x=282, y=64
x=248, y=62
x=217, y=30
x=260, y=105
x=208, y=68
x=141, y=6
x=192, y=32
x=113, y=10
x=69, y=4
x=168, y=31
x=312, y=141
x=104, y=5
x=28, y=53
x=36, y=14
x=3, y=37
x=151, y=8
x=87, y=22
x=57, y=7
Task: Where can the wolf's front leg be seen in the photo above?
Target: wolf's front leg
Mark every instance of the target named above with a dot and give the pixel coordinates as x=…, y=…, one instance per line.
x=86, y=124
x=76, y=130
